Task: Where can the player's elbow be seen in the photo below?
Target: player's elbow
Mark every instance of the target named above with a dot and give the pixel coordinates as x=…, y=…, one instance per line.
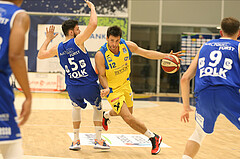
x=12, y=59
x=41, y=55
x=185, y=79
x=15, y=55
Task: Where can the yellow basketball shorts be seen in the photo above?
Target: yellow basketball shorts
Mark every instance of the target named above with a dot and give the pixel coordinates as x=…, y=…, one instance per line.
x=118, y=96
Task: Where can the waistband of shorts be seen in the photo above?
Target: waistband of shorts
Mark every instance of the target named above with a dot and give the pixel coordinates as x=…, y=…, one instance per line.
x=222, y=86
x=217, y=87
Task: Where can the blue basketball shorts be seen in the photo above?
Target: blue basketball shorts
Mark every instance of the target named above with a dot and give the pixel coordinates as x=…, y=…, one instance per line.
x=9, y=130
x=90, y=93
x=212, y=101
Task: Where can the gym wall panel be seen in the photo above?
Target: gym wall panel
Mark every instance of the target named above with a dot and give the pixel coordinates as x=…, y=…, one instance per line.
x=231, y=8
x=192, y=12
x=145, y=11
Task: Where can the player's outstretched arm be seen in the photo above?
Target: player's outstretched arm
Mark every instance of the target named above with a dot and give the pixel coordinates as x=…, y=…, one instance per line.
x=43, y=53
x=150, y=54
x=100, y=64
x=17, y=61
x=185, y=87
x=92, y=25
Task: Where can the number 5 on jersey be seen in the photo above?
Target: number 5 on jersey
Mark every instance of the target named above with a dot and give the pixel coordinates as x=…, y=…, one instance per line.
x=74, y=64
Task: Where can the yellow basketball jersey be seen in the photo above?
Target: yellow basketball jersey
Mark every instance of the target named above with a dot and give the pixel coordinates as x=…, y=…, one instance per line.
x=117, y=66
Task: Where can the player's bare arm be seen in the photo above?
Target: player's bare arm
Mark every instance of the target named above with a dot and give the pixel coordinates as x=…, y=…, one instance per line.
x=150, y=54
x=92, y=25
x=43, y=52
x=17, y=61
x=100, y=64
x=185, y=87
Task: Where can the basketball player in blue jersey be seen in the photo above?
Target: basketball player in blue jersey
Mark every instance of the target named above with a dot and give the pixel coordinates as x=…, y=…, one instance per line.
x=113, y=65
x=13, y=26
x=80, y=77
x=216, y=68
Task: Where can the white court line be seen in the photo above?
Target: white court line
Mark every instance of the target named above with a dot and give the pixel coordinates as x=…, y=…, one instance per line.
x=43, y=157
x=39, y=157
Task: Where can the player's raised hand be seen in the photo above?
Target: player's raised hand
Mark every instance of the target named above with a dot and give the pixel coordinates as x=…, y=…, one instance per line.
x=50, y=33
x=90, y=4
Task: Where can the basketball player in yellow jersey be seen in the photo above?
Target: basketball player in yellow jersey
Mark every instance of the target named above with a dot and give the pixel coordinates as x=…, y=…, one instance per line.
x=113, y=65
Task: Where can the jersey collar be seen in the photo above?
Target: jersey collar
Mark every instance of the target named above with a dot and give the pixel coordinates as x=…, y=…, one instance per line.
x=6, y=2
x=225, y=38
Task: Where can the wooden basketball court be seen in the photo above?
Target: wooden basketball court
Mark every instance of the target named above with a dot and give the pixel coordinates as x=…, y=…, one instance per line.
x=45, y=134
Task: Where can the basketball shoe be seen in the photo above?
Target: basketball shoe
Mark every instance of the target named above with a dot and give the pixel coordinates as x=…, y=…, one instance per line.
x=156, y=141
x=101, y=144
x=75, y=146
x=105, y=122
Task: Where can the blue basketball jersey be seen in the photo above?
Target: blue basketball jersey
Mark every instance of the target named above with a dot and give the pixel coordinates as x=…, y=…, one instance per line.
x=9, y=129
x=218, y=64
x=76, y=63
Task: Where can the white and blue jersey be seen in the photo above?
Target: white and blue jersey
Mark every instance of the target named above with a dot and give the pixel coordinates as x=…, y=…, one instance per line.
x=218, y=64
x=217, y=83
x=9, y=130
x=76, y=63
x=80, y=77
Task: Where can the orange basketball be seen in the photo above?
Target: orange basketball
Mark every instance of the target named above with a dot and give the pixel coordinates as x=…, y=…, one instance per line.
x=170, y=64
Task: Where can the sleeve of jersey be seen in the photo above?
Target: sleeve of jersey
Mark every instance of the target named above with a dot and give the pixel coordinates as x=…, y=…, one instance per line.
x=130, y=53
x=239, y=51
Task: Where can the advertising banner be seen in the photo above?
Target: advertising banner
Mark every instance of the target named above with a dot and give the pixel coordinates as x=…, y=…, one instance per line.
x=102, y=7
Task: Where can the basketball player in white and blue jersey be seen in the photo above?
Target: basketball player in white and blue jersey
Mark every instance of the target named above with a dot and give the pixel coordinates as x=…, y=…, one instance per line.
x=216, y=68
x=80, y=77
x=14, y=23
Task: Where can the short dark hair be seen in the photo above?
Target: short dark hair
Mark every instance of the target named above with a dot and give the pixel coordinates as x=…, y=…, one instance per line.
x=114, y=31
x=230, y=26
x=68, y=25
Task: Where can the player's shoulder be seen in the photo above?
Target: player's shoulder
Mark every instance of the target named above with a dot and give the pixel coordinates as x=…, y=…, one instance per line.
x=125, y=42
x=22, y=15
x=122, y=40
x=103, y=49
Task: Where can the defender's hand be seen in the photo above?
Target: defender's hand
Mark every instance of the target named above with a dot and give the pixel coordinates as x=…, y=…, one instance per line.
x=185, y=114
x=50, y=33
x=90, y=4
x=25, y=112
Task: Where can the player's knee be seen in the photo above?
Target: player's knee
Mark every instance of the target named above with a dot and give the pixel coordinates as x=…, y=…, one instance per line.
x=97, y=114
x=130, y=110
x=76, y=114
x=198, y=135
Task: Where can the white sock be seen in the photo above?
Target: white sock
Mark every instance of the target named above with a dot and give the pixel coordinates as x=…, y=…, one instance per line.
x=98, y=130
x=76, y=134
x=107, y=114
x=149, y=134
x=186, y=157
